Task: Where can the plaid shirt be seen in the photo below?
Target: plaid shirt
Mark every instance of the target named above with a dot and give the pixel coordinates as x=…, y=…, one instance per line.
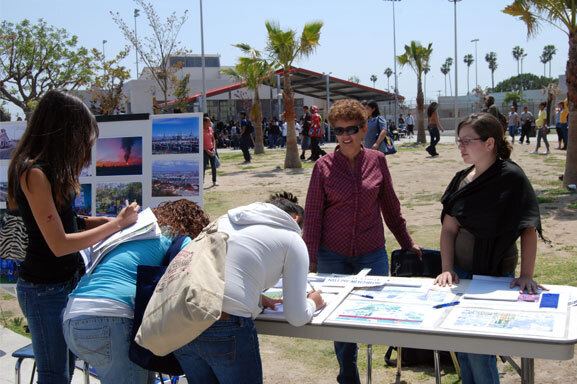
x=343, y=207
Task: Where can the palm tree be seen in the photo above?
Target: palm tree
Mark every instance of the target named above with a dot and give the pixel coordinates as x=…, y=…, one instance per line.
x=253, y=70
x=517, y=54
x=426, y=69
x=468, y=59
x=445, y=70
x=417, y=57
x=491, y=58
x=284, y=47
x=548, y=52
x=449, y=63
x=561, y=14
x=374, y=79
x=544, y=59
x=388, y=72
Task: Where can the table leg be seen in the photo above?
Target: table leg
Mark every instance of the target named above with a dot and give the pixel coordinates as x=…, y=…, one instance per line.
x=437, y=367
x=369, y=362
x=527, y=370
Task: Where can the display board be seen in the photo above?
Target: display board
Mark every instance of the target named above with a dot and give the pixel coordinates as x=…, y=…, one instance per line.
x=148, y=161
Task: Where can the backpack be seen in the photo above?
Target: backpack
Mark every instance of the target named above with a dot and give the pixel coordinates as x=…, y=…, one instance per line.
x=147, y=277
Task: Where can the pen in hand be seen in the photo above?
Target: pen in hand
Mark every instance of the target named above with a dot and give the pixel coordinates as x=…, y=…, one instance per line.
x=310, y=285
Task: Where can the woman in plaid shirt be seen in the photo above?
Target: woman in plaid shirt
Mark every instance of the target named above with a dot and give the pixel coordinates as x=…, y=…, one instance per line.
x=348, y=191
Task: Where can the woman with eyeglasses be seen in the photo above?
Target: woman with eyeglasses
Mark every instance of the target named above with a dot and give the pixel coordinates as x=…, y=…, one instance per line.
x=434, y=125
x=486, y=208
x=348, y=192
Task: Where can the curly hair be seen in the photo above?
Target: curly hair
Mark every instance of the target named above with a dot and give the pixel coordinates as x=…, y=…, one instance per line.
x=347, y=110
x=486, y=125
x=288, y=203
x=181, y=217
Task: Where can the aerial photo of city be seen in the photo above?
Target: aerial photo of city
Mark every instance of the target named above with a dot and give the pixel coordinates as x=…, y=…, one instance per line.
x=175, y=135
x=175, y=177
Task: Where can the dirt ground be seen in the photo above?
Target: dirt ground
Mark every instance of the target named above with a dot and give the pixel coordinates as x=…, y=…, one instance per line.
x=419, y=182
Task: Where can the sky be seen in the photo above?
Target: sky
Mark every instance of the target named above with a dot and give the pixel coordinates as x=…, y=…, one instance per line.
x=356, y=38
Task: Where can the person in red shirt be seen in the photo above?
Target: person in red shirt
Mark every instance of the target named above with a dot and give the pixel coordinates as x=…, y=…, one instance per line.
x=209, y=146
x=348, y=192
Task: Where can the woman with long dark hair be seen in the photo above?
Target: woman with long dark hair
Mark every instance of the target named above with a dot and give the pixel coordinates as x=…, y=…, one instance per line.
x=43, y=182
x=376, y=126
x=434, y=125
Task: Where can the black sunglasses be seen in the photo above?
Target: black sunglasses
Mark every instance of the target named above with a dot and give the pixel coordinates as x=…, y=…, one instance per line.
x=350, y=130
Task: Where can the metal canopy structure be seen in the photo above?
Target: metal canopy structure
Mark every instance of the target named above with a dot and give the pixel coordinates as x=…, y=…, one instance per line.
x=312, y=84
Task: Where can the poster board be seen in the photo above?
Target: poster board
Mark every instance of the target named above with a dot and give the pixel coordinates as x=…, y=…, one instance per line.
x=149, y=161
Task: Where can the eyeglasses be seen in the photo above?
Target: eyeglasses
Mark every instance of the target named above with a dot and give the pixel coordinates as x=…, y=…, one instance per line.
x=465, y=142
x=350, y=130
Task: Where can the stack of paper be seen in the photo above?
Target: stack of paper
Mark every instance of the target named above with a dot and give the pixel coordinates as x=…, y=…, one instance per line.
x=145, y=227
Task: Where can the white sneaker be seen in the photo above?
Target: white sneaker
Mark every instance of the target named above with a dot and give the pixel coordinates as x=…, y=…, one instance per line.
x=534, y=153
x=215, y=184
x=546, y=153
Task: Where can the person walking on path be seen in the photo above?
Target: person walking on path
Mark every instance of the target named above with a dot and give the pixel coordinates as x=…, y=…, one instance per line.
x=541, y=127
x=209, y=146
x=410, y=124
x=526, y=121
x=306, y=125
x=513, y=123
x=316, y=133
x=564, y=120
x=246, y=130
x=349, y=194
x=377, y=130
x=434, y=125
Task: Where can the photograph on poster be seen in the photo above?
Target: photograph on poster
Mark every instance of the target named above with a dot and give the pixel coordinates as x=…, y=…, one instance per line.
x=86, y=172
x=3, y=183
x=175, y=135
x=83, y=201
x=111, y=197
x=10, y=134
x=175, y=177
x=119, y=156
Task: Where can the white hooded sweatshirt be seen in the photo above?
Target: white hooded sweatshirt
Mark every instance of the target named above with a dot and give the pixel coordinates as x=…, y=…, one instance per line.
x=264, y=245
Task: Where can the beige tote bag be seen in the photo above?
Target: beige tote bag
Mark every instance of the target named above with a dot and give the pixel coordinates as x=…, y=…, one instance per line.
x=188, y=297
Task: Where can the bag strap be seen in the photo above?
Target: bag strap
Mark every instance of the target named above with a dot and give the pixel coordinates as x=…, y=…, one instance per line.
x=173, y=250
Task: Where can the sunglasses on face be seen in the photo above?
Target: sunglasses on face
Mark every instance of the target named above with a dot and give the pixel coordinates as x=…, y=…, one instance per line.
x=350, y=130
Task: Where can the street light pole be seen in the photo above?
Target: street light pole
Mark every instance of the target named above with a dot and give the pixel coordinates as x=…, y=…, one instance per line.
x=455, y=106
x=328, y=91
x=476, y=79
x=136, y=14
x=203, y=109
x=395, y=62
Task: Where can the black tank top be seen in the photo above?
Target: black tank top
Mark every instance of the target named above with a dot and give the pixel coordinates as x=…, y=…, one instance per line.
x=41, y=265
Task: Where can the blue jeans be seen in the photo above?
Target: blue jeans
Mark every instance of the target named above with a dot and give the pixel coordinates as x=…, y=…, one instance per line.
x=226, y=353
x=43, y=305
x=435, y=138
x=541, y=135
x=476, y=368
x=103, y=342
x=332, y=262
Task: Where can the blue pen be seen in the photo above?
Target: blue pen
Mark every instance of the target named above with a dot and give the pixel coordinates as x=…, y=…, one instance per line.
x=367, y=296
x=446, y=305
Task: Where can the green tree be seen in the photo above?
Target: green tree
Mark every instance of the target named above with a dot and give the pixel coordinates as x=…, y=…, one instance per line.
x=284, y=47
x=35, y=58
x=253, y=70
x=491, y=59
x=449, y=63
x=445, y=69
x=513, y=98
x=562, y=14
x=106, y=86
x=529, y=81
x=426, y=69
x=354, y=79
x=374, y=80
x=157, y=49
x=468, y=59
x=518, y=53
x=182, y=92
x=388, y=72
x=547, y=56
x=4, y=114
x=417, y=56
